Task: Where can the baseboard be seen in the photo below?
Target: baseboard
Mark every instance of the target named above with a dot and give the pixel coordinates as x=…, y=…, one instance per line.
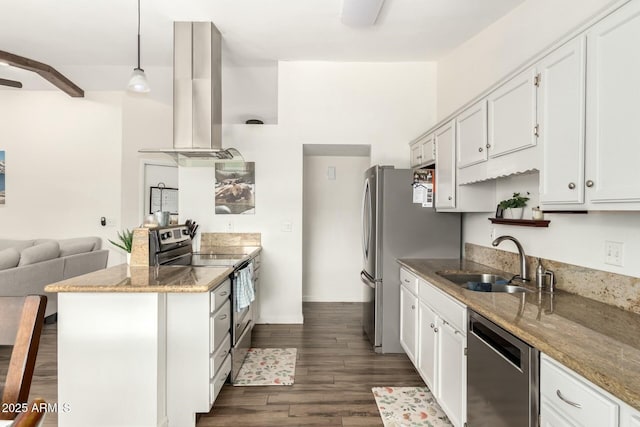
x=311, y=298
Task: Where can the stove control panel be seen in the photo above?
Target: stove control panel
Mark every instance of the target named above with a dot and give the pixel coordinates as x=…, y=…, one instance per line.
x=170, y=235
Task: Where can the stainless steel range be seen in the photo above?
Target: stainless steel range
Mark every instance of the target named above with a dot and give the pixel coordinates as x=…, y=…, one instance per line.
x=173, y=246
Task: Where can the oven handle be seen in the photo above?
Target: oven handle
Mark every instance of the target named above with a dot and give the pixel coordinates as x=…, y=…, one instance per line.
x=165, y=262
x=242, y=267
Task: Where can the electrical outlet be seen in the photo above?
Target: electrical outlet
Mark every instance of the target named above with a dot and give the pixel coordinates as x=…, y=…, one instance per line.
x=287, y=227
x=229, y=226
x=493, y=233
x=613, y=253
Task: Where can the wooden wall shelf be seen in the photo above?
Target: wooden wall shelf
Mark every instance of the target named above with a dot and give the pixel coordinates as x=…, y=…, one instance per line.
x=521, y=222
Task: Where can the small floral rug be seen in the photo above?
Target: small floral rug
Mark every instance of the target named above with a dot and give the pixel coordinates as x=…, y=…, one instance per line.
x=268, y=366
x=409, y=406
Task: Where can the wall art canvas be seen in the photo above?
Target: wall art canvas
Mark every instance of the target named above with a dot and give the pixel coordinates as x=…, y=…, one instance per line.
x=235, y=188
x=2, y=186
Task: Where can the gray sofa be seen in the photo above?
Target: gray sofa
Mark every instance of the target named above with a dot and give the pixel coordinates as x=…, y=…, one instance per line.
x=27, y=266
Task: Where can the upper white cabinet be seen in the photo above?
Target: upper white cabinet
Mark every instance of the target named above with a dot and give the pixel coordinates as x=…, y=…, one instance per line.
x=423, y=151
x=561, y=111
x=445, y=140
x=471, y=128
x=512, y=115
x=613, y=114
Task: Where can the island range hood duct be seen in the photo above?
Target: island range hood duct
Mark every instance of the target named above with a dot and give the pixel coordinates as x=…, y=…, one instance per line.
x=197, y=95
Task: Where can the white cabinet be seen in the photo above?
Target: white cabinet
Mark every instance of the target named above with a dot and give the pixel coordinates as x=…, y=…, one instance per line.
x=408, y=322
x=198, y=351
x=471, y=128
x=428, y=329
x=452, y=387
x=566, y=398
x=613, y=85
x=512, y=115
x=442, y=341
x=423, y=151
x=445, y=141
x=561, y=110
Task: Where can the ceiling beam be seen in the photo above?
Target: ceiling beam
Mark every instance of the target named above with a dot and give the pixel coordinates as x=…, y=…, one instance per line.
x=47, y=72
x=10, y=83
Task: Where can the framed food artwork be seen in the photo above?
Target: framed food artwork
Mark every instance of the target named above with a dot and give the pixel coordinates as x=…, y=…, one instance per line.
x=235, y=188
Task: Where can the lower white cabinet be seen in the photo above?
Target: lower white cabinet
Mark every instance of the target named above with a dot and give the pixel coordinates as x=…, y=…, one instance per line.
x=439, y=336
x=428, y=329
x=452, y=370
x=568, y=399
x=408, y=322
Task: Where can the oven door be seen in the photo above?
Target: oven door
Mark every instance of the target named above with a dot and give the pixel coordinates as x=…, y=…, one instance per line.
x=178, y=256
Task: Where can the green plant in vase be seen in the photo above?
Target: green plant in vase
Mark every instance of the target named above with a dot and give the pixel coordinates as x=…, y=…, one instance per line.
x=514, y=207
x=125, y=242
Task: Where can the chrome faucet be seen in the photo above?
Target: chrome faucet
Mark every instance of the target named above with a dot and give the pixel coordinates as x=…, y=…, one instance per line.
x=523, y=258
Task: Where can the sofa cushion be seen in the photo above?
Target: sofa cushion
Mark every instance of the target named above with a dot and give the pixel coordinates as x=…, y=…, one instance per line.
x=39, y=253
x=19, y=245
x=79, y=245
x=9, y=258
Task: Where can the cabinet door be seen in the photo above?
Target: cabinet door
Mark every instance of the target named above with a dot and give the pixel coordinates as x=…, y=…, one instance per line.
x=550, y=417
x=427, y=342
x=416, y=153
x=613, y=115
x=561, y=105
x=471, y=131
x=512, y=115
x=445, y=190
x=428, y=150
x=408, y=322
x=452, y=370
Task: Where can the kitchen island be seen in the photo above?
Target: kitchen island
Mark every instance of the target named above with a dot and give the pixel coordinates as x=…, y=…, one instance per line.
x=117, y=332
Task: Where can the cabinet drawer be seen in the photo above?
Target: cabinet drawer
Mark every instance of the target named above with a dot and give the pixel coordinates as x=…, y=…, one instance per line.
x=220, y=295
x=215, y=385
x=256, y=262
x=220, y=322
x=409, y=280
x=216, y=360
x=574, y=396
x=446, y=307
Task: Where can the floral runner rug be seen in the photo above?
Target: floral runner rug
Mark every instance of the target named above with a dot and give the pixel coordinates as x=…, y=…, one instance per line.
x=409, y=406
x=268, y=366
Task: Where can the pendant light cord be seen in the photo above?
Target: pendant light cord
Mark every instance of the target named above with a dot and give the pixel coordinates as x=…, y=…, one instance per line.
x=139, y=35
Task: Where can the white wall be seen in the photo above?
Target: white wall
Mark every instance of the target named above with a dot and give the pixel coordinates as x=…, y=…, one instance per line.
x=63, y=159
x=380, y=104
x=332, y=245
x=505, y=45
x=485, y=59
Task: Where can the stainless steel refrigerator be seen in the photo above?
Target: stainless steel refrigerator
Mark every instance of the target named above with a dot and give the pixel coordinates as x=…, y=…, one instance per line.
x=393, y=227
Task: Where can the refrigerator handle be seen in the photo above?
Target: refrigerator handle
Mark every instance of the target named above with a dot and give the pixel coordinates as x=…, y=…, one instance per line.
x=366, y=222
x=365, y=279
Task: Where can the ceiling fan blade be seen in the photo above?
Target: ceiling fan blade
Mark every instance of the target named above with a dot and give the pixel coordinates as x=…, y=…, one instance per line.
x=10, y=83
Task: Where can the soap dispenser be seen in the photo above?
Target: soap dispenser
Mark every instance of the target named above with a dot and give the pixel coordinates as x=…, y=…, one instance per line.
x=540, y=275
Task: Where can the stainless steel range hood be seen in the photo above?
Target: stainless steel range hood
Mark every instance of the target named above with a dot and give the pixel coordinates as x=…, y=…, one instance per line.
x=197, y=97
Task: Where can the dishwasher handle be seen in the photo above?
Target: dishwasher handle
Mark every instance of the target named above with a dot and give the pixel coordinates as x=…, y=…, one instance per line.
x=503, y=343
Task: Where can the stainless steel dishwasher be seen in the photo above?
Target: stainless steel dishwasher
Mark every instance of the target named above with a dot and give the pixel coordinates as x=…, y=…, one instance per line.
x=502, y=377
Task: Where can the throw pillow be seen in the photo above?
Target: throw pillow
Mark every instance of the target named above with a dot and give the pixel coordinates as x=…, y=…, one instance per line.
x=39, y=253
x=9, y=258
x=76, y=246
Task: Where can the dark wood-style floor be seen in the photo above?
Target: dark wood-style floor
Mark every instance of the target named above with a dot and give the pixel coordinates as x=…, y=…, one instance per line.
x=335, y=371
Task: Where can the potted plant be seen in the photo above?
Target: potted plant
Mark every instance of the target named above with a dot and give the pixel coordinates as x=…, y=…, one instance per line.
x=125, y=242
x=514, y=207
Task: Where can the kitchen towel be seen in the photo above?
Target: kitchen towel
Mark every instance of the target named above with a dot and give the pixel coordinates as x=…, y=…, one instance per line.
x=243, y=288
x=409, y=406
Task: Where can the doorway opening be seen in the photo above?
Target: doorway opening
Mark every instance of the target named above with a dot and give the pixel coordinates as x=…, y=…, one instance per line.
x=333, y=176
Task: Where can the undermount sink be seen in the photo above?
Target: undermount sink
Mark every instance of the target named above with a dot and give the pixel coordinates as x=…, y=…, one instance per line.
x=482, y=282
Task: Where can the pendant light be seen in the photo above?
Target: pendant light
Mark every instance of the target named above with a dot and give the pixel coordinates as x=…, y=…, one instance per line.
x=138, y=81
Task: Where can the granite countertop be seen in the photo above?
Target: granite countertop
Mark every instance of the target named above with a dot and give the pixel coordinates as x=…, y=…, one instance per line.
x=163, y=279
x=596, y=340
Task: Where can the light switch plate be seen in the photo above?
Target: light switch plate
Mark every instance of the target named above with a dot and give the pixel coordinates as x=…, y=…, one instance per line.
x=287, y=227
x=613, y=253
